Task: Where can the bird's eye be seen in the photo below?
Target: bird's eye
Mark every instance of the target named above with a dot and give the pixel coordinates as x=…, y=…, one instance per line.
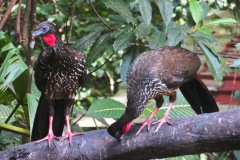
x=44, y=28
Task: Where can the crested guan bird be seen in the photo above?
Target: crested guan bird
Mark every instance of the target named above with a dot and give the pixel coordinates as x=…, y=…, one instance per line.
x=158, y=73
x=59, y=72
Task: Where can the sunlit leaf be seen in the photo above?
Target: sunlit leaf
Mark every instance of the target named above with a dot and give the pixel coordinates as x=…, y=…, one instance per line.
x=196, y=10
x=236, y=63
x=205, y=31
x=145, y=10
x=4, y=112
x=106, y=108
x=221, y=21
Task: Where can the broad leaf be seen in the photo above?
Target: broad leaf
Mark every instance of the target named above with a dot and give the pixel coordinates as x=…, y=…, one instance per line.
x=196, y=10
x=237, y=95
x=180, y=109
x=128, y=58
x=100, y=47
x=106, y=108
x=212, y=61
x=143, y=30
x=6, y=96
x=86, y=41
x=32, y=107
x=4, y=112
x=221, y=21
x=205, y=38
x=20, y=84
x=238, y=46
x=205, y=31
x=157, y=39
x=205, y=8
x=236, y=63
x=145, y=10
x=176, y=33
x=123, y=41
x=166, y=10
x=121, y=7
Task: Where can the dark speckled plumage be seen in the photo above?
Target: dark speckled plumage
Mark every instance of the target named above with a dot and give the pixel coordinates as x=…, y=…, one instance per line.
x=160, y=72
x=59, y=72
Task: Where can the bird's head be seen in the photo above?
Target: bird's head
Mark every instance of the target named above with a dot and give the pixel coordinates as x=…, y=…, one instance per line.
x=116, y=130
x=48, y=31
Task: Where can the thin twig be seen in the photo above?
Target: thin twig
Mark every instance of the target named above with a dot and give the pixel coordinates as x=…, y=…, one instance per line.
x=78, y=119
x=101, y=19
x=102, y=64
x=11, y=114
x=69, y=10
x=18, y=32
x=5, y=17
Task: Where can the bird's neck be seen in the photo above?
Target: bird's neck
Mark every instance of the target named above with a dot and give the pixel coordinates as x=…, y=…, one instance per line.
x=52, y=39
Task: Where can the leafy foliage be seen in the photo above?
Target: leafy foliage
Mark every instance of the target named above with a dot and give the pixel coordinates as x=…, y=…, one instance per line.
x=135, y=26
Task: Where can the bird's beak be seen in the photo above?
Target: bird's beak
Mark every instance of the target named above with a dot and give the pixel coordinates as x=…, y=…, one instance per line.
x=36, y=33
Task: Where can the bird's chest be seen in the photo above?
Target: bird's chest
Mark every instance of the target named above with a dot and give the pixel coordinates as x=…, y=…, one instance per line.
x=59, y=78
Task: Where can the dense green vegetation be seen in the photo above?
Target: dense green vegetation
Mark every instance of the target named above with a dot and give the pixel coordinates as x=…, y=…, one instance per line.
x=111, y=37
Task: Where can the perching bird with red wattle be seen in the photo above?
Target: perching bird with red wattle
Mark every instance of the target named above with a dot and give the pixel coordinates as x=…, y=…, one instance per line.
x=59, y=72
x=158, y=73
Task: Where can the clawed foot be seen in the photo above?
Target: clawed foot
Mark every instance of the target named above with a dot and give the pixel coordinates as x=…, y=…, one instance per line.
x=49, y=137
x=70, y=135
x=161, y=121
x=145, y=123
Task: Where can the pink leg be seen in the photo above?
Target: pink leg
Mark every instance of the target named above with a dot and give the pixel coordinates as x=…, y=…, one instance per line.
x=148, y=121
x=69, y=134
x=164, y=119
x=50, y=135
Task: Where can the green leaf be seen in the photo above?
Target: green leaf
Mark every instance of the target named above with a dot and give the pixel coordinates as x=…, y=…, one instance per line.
x=166, y=10
x=237, y=95
x=128, y=58
x=4, y=112
x=143, y=30
x=221, y=21
x=212, y=61
x=207, y=39
x=180, y=109
x=236, y=63
x=20, y=84
x=205, y=31
x=237, y=46
x=99, y=48
x=123, y=41
x=6, y=96
x=196, y=10
x=176, y=33
x=145, y=10
x=86, y=41
x=32, y=107
x=106, y=108
x=121, y=7
x=157, y=39
x=205, y=8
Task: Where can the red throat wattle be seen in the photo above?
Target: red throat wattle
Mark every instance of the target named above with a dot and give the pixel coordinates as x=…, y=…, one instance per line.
x=127, y=127
x=50, y=39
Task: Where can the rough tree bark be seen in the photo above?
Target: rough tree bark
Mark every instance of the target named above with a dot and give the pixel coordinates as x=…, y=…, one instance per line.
x=202, y=133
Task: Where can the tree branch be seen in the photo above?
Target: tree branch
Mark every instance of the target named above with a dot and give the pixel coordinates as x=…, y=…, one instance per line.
x=5, y=17
x=202, y=133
